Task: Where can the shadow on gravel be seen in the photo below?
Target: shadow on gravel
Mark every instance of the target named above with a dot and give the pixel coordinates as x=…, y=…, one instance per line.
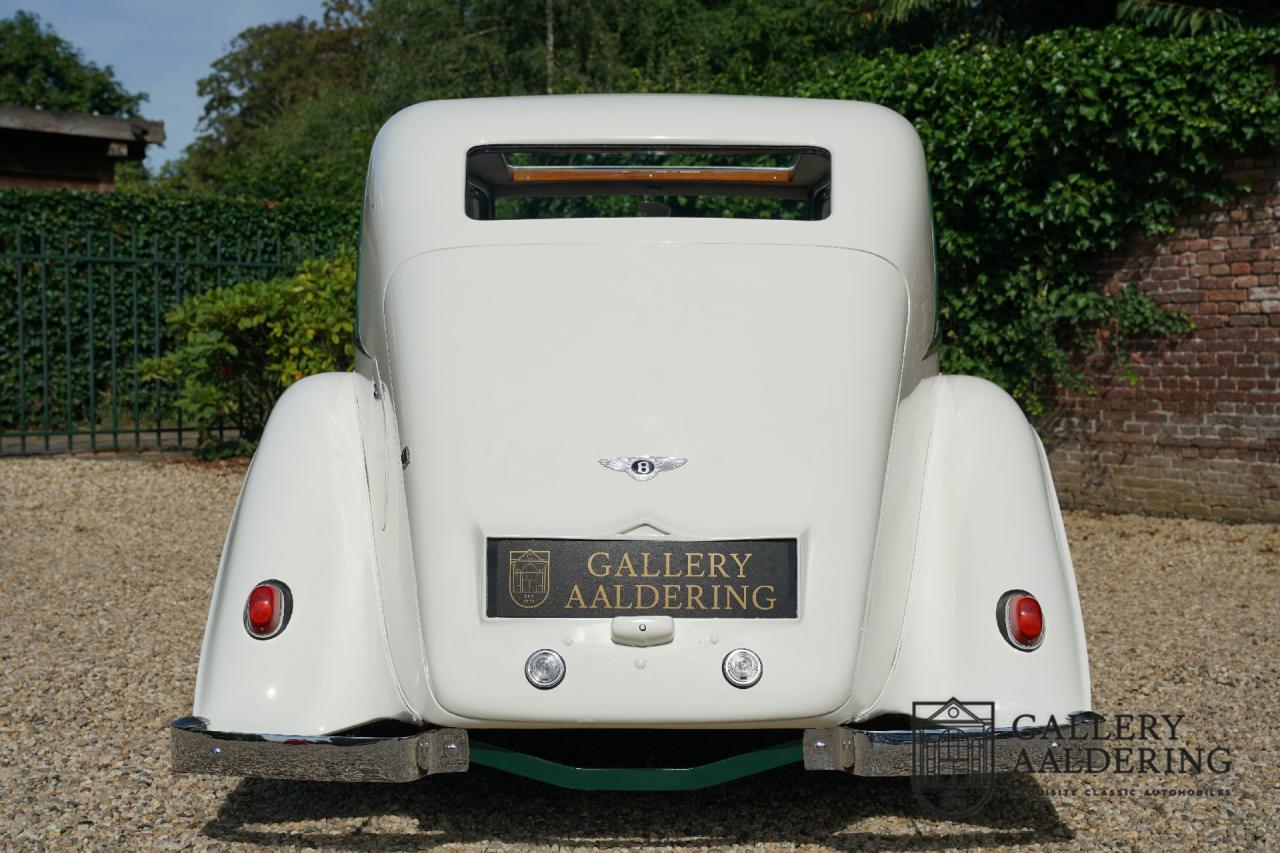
x=485, y=806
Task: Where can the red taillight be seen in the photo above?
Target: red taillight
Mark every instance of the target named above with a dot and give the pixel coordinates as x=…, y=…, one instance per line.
x=267, y=610
x=1027, y=621
x=1021, y=620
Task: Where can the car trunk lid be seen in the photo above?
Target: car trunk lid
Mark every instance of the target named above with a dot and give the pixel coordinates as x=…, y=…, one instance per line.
x=773, y=370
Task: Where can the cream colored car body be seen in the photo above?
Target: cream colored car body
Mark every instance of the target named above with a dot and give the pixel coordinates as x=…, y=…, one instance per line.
x=788, y=361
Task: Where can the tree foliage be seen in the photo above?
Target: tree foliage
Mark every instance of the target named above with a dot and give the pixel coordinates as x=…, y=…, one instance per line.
x=292, y=108
x=40, y=69
x=257, y=100
x=1192, y=17
x=1015, y=20
x=269, y=139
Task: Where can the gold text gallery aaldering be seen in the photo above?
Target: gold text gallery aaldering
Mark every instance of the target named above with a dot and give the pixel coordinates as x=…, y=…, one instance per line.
x=1160, y=750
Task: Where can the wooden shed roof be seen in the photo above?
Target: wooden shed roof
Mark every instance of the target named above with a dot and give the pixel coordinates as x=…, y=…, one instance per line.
x=81, y=124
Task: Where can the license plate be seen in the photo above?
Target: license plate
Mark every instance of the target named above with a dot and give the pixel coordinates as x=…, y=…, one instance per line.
x=603, y=578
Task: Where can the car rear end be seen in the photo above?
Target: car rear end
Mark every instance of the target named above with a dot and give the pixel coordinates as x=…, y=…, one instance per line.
x=630, y=380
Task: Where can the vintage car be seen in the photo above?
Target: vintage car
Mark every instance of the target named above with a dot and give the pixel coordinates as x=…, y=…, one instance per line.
x=646, y=432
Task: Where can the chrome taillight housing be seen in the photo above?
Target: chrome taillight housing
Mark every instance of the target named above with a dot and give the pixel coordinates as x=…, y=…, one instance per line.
x=1021, y=620
x=267, y=610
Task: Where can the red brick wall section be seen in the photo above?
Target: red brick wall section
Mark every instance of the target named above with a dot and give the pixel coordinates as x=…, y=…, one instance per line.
x=1199, y=432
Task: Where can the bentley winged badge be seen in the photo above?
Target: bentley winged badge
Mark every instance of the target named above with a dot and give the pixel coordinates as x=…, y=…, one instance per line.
x=643, y=467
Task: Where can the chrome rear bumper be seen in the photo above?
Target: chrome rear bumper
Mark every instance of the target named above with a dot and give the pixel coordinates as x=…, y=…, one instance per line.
x=343, y=758
x=337, y=758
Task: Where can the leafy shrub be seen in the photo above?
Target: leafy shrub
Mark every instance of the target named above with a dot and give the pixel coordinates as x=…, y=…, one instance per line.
x=1044, y=158
x=239, y=347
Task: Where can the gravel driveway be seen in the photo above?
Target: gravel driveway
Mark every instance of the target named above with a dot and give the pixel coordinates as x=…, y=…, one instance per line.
x=106, y=566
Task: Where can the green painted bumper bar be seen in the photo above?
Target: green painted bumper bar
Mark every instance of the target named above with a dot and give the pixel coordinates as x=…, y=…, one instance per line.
x=636, y=778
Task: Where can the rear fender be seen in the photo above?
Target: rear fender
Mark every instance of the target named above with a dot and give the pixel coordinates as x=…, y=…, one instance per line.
x=969, y=513
x=322, y=511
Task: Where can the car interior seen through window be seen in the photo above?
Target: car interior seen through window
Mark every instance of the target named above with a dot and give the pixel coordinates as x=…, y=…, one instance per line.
x=604, y=181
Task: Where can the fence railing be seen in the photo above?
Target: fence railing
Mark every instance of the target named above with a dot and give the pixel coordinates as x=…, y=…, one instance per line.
x=78, y=312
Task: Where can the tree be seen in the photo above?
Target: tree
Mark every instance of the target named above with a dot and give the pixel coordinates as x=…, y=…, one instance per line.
x=40, y=69
x=271, y=71
x=272, y=67
x=292, y=108
x=1011, y=20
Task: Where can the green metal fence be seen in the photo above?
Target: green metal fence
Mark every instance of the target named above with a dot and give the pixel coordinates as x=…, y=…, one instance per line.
x=79, y=311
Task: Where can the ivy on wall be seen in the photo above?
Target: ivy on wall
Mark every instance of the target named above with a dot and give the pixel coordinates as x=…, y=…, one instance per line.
x=1045, y=157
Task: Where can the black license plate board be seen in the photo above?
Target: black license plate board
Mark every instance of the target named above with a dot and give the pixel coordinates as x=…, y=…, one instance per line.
x=603, y=578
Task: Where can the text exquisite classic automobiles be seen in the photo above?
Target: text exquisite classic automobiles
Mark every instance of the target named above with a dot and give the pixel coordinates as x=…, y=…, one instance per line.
x=646, y=431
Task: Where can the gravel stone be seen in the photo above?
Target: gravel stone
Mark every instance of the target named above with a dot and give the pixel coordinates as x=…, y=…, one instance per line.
x=106, y=568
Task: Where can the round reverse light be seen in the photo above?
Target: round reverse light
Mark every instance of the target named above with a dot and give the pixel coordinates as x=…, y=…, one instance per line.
x=544, y=669
x=267, y=611
x=1021, y=620
x=742, y=668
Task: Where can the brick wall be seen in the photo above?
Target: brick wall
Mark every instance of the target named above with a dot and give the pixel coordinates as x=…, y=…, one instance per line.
x=1199, y=432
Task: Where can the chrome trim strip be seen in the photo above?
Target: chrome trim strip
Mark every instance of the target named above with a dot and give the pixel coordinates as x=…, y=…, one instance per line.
x=865, y=752
x=337, y=758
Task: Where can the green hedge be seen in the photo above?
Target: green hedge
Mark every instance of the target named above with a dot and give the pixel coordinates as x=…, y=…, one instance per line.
x=146, y=216
x=1047, y=156
x=87, y=278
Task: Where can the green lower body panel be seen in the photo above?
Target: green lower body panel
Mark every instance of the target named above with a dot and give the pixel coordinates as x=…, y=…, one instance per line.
x=636, y=778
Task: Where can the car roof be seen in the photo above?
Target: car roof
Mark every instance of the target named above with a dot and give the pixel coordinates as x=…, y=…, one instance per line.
x=415, y=194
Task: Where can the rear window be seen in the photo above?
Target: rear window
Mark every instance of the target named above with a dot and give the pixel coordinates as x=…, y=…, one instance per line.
x=601, y=181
